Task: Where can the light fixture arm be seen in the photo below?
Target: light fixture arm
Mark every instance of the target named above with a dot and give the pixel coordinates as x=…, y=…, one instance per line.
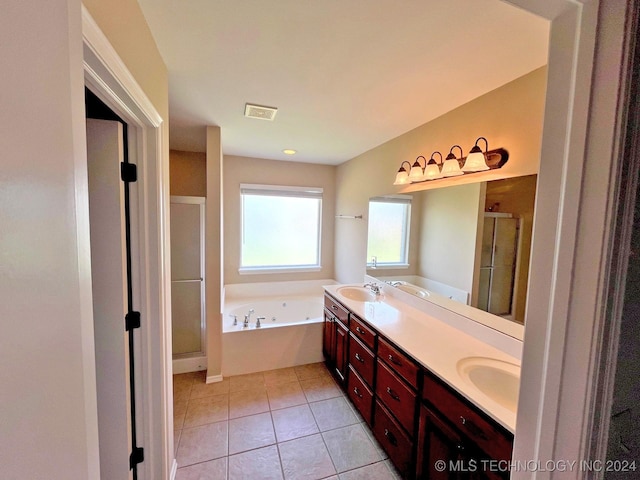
x=402, y=166
x=486, y=143
x=433, y=159
x=425, y=161
x=451, y=156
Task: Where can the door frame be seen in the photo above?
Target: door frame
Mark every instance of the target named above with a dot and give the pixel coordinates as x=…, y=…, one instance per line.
x=106, y=75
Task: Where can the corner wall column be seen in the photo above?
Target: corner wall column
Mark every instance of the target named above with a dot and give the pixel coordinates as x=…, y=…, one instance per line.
x=213, y=254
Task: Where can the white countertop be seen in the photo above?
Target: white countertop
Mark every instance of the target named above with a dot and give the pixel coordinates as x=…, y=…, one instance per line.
x=434, y=344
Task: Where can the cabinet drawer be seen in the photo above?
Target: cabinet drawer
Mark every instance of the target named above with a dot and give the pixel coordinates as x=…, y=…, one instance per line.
x=338, y=310
x=402, y=364
x=362, y=332
x=393, y=440
x=397, y=396
x=485, y=433
x=360, y=395
x=361, y=359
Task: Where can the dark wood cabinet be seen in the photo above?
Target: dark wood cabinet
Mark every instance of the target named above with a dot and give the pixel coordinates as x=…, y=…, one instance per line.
x=416, y=417
x=335, y=340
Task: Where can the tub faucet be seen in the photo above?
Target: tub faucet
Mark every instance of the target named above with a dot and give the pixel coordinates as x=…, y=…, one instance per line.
x=258, y=321
x=235, y=319
x=246, y=321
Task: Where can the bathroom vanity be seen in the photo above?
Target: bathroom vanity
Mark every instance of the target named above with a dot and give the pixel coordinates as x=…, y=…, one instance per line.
x=408, y=376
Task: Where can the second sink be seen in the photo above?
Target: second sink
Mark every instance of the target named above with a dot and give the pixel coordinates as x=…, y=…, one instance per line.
x=498, y=380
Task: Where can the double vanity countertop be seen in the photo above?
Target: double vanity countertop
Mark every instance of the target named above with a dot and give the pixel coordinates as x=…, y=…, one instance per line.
x=441, y=348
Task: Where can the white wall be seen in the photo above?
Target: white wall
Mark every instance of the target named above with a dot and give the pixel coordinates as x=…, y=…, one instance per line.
x=47, y=400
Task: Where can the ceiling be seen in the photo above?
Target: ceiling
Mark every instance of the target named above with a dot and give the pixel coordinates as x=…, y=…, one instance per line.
x=346, y=76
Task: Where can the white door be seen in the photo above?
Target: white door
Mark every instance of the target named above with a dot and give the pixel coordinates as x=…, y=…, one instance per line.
x=109, y=285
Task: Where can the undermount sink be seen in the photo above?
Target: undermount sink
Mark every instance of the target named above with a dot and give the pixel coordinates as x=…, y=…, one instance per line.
x=498, y=380
x=357, y=294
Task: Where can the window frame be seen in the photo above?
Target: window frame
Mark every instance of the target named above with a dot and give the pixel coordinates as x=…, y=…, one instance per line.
x=404, y=261
x=280, y=191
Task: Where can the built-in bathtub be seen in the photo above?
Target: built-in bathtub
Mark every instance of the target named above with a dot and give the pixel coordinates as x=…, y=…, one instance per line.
x=290, y=333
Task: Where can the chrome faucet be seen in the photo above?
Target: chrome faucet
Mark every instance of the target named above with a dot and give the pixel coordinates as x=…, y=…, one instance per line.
x=235, y=319
x=247, y=318
x=258, y=321
x=375, y=288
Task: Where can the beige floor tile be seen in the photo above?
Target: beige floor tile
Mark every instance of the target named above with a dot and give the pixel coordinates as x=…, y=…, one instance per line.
x=200, y=444
x=201, y=389
x=247, y=433
x=311, y=370
x=306, y=458
x=185, y=378
x=248, y=402
x=201, y=411
x=212, y=470
x=181, y=392
x=393, y=470
x=320, y=388
x=350, y=448
x=376, y=471
x=282, y=375
x=293, y=422
x=333, y=413
x=374, y=442
x=260, y=464
x=285, y=395
x=248, y=381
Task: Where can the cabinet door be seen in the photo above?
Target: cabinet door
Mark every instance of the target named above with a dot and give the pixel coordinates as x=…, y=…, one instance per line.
x=341, y=359
x=327, y=338
x=439, y=442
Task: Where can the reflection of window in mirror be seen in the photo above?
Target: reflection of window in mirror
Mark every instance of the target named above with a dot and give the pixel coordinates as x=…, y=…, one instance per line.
x=388, y=238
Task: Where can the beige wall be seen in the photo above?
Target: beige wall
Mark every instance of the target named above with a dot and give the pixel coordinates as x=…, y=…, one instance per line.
x=448, y=234
x=239, y=170
x=188, y=173
x=510, y=117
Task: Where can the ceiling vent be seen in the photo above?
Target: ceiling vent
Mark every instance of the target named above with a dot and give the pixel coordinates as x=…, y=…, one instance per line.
x=259, y=111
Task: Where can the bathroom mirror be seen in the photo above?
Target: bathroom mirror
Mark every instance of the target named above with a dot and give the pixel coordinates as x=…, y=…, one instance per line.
x=466, y=247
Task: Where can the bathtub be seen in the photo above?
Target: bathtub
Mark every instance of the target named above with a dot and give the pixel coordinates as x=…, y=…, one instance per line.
x=289, y=335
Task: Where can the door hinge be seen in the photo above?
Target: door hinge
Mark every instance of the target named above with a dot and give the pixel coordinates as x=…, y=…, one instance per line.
x=128, y=172
x=132, y=320
x=136, y=457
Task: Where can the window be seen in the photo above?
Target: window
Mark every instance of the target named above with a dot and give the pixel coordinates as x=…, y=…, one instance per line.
x=280, y=228
x=388, y=242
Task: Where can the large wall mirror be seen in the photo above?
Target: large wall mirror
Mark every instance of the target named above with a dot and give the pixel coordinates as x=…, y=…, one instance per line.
x=466, y=247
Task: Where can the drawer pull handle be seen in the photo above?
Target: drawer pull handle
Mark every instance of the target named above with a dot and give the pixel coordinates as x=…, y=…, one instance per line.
x=359, y=358
x=394, y=360
x=360, y=331
x=473, y=428
x=334, y=307
x=390, y=437
x=392, y=394
x=357, y=392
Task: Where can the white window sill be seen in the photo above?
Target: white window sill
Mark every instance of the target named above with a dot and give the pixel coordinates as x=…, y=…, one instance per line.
x=387, y=266
x=268, y=270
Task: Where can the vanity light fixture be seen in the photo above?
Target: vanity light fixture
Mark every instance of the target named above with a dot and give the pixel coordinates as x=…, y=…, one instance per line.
x=417, y=170
x=476, y=160
x=451, y=167
x=289, y=151
x=402, y=177
x=432, y=170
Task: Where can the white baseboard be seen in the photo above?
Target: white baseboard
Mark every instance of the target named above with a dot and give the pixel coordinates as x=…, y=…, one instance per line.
x=186, y=365
x=174, y=470
x=214, y=378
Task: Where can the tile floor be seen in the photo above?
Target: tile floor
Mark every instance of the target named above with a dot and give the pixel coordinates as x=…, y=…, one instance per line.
x=293, y=423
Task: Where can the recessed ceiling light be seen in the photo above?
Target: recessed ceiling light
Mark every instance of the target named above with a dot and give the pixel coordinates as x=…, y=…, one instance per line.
x=289, y=151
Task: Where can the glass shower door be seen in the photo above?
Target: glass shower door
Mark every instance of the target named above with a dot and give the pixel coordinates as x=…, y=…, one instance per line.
x=187, y=276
